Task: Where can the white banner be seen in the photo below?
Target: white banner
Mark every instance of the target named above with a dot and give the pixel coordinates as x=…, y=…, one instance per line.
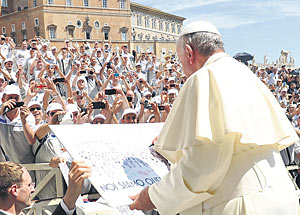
x=119, y=155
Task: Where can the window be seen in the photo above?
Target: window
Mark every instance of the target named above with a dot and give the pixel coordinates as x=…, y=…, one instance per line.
x=178, y=29
x=85, y=3
x=124, y=35
x=24, y=35
x=35, y=3
x=138, y=49
x=88, y=35
x=140, y=36
x=167, y=27
x=52, y=33
x=50, y=1
x=13, y=28
x=97, y=24
x=147, y=22
x=36, y=22
x=70, y=33
x=139, y=20
x=104, y=3
x=132, y=19
x=173, y=28
x=69, y=2
x=14, y=37
x=160, y=25
x=78, y=23
x=154, y=23
x=148, y=37
x=23, y=26
x=3, y=30
x=122, y=4
x=106, y=35
x=4, y=3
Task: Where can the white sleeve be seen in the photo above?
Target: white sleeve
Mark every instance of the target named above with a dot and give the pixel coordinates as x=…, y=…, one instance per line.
x=194, y=178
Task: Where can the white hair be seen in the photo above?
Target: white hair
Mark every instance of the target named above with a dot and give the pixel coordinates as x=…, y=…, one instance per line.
x=204, y=42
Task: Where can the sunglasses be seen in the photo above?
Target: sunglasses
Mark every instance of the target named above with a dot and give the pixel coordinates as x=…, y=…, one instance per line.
x=130, y=117
x=13, y=97
x=52, y=113
x=35, y=108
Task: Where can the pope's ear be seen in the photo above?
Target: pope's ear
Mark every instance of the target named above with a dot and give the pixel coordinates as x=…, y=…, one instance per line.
x=189, y=53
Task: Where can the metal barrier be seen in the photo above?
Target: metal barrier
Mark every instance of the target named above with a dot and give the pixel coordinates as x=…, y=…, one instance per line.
x=294, y=167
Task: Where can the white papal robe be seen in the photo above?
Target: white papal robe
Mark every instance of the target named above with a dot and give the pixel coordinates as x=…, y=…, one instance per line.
x=223, y=137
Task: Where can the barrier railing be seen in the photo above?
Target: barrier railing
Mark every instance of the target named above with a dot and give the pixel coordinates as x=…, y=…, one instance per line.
x=37, y=206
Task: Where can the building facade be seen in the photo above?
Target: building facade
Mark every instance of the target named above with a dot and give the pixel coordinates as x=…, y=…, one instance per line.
x=56, y=20
x=154, y=30
x=118, y=21
x=152, y=24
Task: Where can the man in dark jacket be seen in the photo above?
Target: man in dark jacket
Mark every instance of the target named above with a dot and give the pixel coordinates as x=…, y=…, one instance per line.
x=16, y=188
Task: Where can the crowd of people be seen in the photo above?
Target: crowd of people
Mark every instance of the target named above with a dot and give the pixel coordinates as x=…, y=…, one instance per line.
x=284, y=84
x=41, y=85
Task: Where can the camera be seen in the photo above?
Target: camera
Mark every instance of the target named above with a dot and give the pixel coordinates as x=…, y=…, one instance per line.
x=161, y=107
x=147, y=105
x=58, y=80
x=66, y=119
x=98, y=105
x=110, y=91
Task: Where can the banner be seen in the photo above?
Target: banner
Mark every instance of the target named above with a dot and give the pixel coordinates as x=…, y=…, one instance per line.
x=121, y=160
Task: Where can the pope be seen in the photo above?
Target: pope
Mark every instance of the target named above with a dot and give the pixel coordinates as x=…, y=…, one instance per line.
x=223, y=137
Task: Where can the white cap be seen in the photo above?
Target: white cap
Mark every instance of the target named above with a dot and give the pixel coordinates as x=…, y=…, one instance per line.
x=142, y=76
x=98, y=50
x=44, y=44
x=54, y=106
x=173, y=91
x=81, y=78
x=106, y=44
x=53, y=47
x=128, y=111
x=172, y=78
x=31, y=103
x=200, y=26
x=12, y=90
x=99, y=116
x=150, y=117
x=8, y=59
x=72, y=108
x=147, y=93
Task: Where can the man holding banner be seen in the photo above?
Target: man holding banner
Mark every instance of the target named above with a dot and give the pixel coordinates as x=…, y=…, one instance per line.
x=223, y=138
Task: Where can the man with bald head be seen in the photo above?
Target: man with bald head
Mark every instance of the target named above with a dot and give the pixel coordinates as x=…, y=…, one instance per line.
x=223, y=137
